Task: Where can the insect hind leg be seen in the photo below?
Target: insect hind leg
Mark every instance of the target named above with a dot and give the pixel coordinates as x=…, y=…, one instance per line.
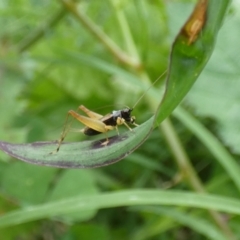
x=105, y=143
x=90, y=113
x=64, y=133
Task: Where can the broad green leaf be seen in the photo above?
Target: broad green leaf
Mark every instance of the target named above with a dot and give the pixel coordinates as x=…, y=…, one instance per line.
x=190, y=52
x=27, y=183
x=75, y=183
x=188, y=60
x=79, y=155
x=118, y=199
x=216, y=94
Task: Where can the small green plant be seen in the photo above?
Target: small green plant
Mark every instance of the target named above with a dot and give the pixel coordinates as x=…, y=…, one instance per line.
x=99, y=53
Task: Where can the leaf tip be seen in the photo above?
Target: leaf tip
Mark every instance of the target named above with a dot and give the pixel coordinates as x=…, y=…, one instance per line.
x=196, y=22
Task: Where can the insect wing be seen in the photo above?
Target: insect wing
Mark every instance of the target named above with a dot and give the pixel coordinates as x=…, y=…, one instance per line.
x=95, y=124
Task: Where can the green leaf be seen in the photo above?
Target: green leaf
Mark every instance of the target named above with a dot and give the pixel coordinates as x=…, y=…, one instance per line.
x=184, y=218
x=216, y=94
x=20, y=181
x=80, y=155
x=188, y=58
x=118, y=199
x=75, y=183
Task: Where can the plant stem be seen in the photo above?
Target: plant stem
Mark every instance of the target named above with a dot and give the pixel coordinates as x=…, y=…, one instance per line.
x=212, y=143
x=100, y=35
x=126, y=33
x=36, y=35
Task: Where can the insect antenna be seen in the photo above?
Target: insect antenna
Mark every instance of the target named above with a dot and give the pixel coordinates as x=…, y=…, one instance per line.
x=141, y=97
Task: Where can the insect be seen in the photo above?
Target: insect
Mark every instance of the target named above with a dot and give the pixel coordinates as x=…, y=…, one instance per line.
x=97, y=124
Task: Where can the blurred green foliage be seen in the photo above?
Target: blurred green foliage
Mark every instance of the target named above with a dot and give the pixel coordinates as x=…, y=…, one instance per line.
x=40, y=81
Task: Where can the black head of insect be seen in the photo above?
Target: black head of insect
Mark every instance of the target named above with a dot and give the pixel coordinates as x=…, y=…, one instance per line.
x=124, y=114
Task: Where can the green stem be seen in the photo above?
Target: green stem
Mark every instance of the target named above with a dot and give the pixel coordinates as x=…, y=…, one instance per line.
x=126, y=33
x=100, y=35
x=36, y=35
x=180, y=155
x=212, y=143
x=188, y=171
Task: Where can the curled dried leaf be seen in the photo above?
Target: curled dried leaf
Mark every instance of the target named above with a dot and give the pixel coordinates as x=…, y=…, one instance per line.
x=196, y=22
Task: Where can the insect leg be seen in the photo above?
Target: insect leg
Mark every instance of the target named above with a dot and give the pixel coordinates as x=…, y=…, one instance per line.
x=121, y=121
x=106, y=141
x=117, y=130
x=90, y=113
x=63, y=134
x=127, y=126
x=95, y=124
x=134, y=121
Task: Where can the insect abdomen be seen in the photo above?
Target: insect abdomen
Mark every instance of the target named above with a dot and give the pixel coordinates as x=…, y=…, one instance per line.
x=110, y=121
x=90, y=132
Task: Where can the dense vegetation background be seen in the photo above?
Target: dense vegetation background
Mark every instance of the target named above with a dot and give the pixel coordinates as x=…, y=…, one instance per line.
x=51, y=63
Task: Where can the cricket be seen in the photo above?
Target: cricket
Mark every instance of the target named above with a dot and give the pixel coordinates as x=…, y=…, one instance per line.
x=98, y=124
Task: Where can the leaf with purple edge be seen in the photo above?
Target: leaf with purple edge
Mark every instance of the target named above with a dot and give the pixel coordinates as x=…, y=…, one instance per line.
x=190, y=53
